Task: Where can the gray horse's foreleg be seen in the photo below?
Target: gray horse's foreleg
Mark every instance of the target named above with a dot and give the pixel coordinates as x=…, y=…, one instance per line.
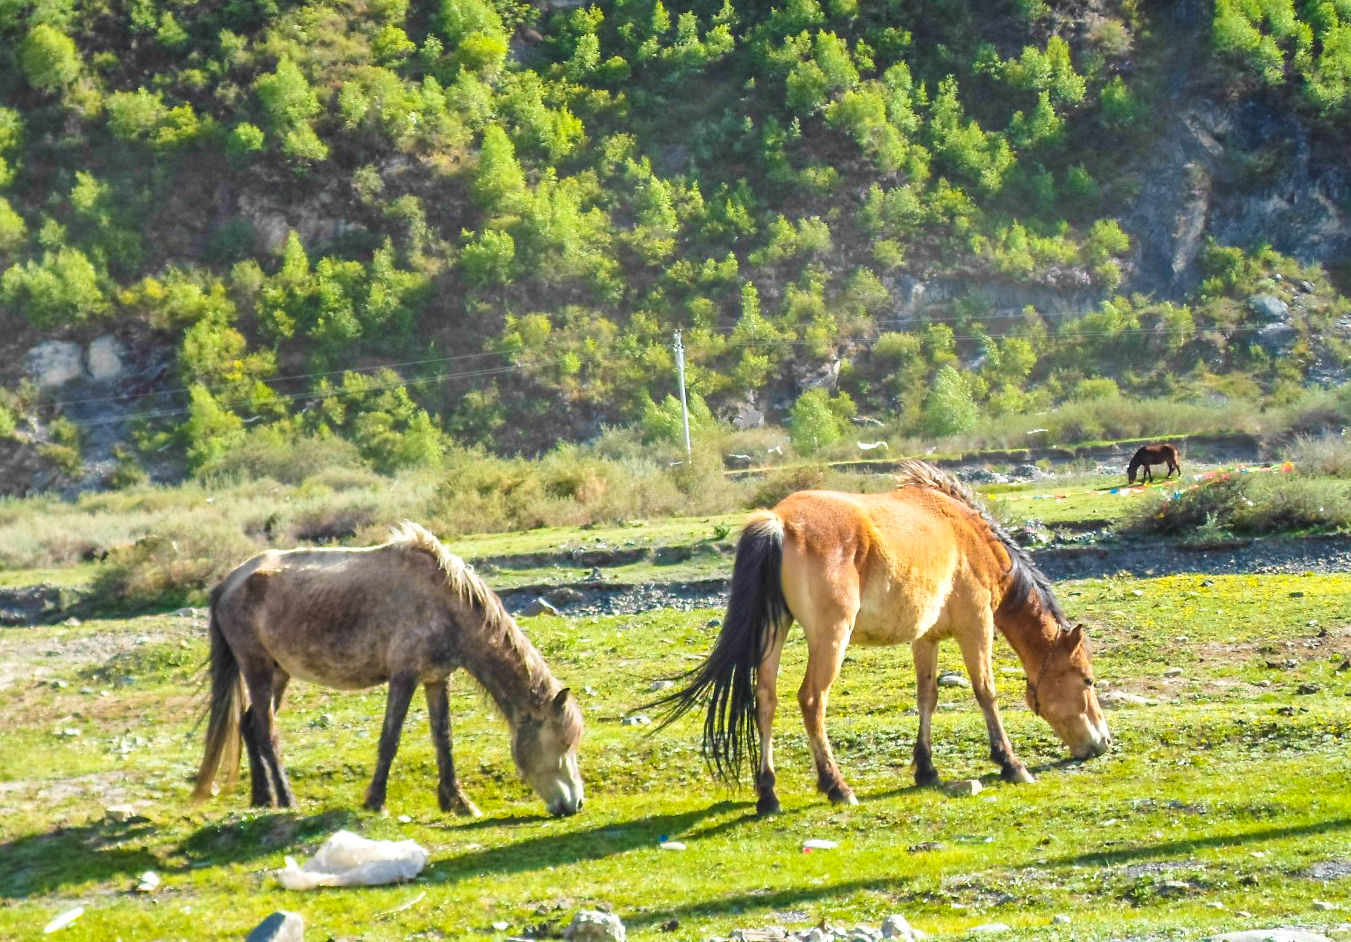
x=448, y=792
x=401, y=688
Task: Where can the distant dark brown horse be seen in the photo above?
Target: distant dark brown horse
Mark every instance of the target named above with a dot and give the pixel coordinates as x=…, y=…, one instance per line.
x=915, y=566
x=1162, y=453
x=407, y=612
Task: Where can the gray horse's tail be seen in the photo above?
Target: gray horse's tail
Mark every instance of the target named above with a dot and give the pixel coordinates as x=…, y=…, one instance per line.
x=224, y=709
x=756, y=609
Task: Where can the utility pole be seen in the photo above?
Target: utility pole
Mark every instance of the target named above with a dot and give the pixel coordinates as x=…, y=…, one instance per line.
x=684, y=406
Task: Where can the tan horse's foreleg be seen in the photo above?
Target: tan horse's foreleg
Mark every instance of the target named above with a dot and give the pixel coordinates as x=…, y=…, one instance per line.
x=981, y=674
x=448, y=792
x=925, y=652
x=766, y=702
x=401, y=688
x=825, y=654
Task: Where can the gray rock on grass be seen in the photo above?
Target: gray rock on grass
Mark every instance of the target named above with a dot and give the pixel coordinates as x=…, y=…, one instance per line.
x=590, y=925
x=281, y=926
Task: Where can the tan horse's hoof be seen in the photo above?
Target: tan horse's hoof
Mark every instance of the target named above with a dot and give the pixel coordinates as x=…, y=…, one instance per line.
x=1022, y=777
x=467, y=809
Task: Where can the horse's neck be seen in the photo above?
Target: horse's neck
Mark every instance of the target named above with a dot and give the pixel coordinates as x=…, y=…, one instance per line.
x=505, y=664
x=1031, y=634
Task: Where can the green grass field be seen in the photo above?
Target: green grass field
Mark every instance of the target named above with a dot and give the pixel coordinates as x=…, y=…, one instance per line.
x=1222, y=805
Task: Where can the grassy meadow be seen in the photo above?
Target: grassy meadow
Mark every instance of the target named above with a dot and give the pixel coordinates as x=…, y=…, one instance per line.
x=1221, y=805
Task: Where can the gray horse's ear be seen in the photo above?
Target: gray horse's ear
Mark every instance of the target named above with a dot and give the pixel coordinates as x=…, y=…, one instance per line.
x=561, y=700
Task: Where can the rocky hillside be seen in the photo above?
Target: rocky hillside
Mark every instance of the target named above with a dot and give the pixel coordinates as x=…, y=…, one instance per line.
x=410, y=226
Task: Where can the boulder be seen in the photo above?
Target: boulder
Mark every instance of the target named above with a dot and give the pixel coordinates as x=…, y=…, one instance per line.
x=281, y=926
x=55, y=363
x=590, y=925
x=106, y=359
x=1269, y=307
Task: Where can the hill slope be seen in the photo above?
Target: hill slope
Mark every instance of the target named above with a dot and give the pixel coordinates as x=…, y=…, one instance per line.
x=392, y=222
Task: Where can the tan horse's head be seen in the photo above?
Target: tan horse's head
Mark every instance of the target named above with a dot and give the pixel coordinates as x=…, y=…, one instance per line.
x=1063, y=695
x=544, y=746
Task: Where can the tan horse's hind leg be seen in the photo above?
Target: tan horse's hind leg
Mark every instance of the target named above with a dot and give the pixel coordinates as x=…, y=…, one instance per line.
x=825, y=654
x=925, y=652
x=979, y=670
x=766, y=702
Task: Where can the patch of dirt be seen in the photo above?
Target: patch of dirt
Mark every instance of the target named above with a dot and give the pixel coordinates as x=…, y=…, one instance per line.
x=87, y=645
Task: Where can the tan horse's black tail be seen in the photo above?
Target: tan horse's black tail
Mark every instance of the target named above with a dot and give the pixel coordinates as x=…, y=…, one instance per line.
x=756, y=609
x=224, y=709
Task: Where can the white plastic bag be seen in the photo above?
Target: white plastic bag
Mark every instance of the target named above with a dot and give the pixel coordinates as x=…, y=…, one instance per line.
x=347, y=859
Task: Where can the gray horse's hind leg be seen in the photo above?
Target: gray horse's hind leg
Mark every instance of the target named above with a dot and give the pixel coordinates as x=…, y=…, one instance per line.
x=260, y=786
x=448, y=792
x=262, y=721
x=401, y=688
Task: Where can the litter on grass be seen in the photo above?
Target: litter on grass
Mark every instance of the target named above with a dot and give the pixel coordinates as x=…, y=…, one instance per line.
x=347, y=859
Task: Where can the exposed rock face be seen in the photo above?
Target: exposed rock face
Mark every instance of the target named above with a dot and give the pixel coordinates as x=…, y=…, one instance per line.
x=1241, y=174
x=105, y=360
x=55, y=363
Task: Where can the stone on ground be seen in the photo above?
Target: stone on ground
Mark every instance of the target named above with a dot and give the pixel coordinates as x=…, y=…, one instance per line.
x=590, y=925
x=281, y=926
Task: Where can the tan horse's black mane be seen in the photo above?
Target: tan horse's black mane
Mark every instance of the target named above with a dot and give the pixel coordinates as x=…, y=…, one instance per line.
x=1027, y=578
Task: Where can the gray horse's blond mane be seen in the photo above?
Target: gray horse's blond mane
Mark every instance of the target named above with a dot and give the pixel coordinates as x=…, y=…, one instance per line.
x=1027, y=578
x=460, y=576
x=466, y=584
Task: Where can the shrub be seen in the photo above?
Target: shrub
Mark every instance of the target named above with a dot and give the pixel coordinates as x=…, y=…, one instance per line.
x=1250, y=504
x=176, y=565
x=812, y=424
x=278, y=454
x=1328, y=455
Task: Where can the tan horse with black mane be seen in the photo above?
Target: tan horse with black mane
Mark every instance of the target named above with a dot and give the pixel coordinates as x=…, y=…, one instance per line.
x=407, y=612
x=914, y=566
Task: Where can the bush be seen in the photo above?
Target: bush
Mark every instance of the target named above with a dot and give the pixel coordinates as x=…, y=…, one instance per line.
x=1249, y=505
x=1328, y=455
x=274, y=453
x=176, y=565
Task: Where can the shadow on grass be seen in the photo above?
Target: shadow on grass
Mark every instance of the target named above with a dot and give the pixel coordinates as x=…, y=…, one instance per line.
x=761, y=899
x=236, y=840
x=550, y=850
x=40, y=863
x=1187, y=846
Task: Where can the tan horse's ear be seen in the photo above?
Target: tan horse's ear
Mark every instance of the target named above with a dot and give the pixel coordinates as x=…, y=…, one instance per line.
x=1077, y=635
x=561, y=700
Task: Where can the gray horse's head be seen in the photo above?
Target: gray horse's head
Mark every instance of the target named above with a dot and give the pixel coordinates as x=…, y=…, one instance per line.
x=545, y=749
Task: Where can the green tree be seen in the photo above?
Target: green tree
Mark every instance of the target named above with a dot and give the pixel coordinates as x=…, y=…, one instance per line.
x=950, y=408
x=210, y=432
x=60, y=289
x=812, y=423
x=49, y=58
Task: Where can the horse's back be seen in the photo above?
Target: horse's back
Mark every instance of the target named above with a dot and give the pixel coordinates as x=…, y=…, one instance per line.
x=896, y=556
x=341, y=617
